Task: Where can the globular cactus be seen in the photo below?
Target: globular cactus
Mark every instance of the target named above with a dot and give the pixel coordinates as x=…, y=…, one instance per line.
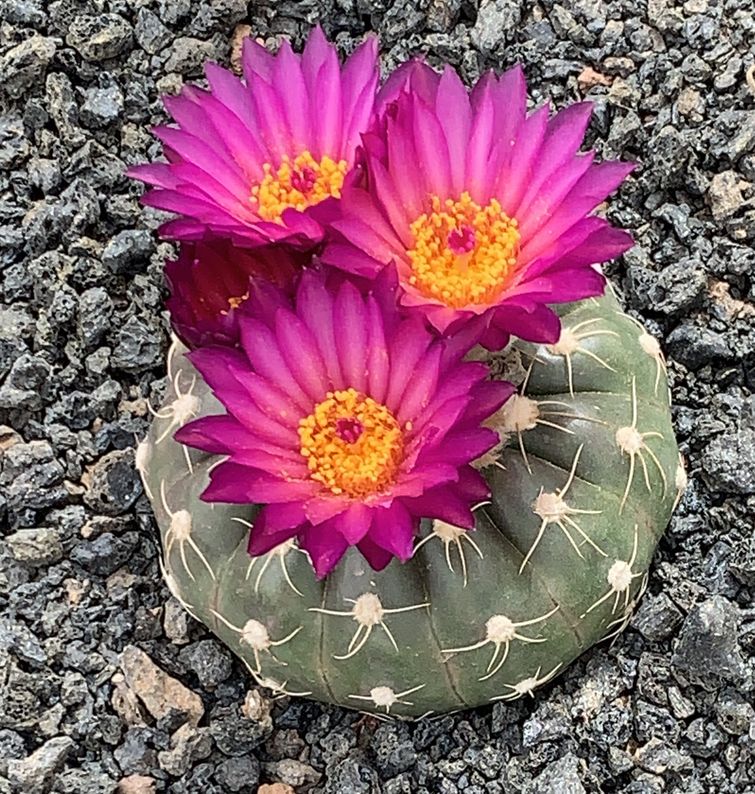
x=582, y=490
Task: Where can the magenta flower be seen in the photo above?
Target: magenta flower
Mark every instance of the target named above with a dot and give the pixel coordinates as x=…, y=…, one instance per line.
x=346, y=421
x=210, y=281
x=483, y=209
x=264, y=160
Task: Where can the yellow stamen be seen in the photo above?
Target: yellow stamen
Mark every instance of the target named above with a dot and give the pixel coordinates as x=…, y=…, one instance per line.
x=237, y=300
x=352, y=444
x=463, y=254
x=298, y=183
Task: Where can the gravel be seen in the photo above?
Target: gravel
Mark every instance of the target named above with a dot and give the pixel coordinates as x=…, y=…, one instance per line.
x=105, y=684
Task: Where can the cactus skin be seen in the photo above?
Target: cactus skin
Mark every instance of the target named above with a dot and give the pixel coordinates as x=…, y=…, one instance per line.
x=427, y=646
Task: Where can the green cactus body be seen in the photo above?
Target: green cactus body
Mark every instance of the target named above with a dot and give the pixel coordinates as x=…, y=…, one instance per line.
x=582, y=491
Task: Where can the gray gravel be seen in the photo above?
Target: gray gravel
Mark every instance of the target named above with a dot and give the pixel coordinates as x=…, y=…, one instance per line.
x=668, y=707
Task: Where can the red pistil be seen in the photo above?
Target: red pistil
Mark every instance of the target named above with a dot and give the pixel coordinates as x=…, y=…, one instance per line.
x=349, y=430
x=461, y=241
x=303, y=179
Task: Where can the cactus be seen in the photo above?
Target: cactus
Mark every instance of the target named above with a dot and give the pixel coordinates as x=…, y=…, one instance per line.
x=582, y=488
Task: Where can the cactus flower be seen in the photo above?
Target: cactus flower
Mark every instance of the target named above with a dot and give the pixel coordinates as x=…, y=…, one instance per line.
x=264, y=160
x=483, y=209
x=210, y=281
x=346, y=420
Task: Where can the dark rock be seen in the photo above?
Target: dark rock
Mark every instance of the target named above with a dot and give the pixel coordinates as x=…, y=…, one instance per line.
x=208, y=661
x=188, y=54
x=735, y=714
x=25, y=64
x=129, y=251
x=657, y=617
x=95, y=311
x=14, y=145
x=105, y=554
x=559, y=777
x=729, y=462
x=26, y=384
x=151, y=35
x=99, y=37
x=674, y=291
x=233, y=733
x=32, y=476
x=136, y=756
x=659, y=757
x=708, y=651
x=495, y=25
x=101, y=106
x=353, y=774
x=187, y=746
x=138, y=347
x=113, y=483
x=694, y=345
x=62, y=108
x=238, y=774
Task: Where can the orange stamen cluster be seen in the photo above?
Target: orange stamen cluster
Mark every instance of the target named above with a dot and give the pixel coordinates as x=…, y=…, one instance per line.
x=463, y=254
x=352, y=444
x=297, y=184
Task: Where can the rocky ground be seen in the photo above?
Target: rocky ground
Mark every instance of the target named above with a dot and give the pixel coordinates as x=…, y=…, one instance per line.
x=94, y=652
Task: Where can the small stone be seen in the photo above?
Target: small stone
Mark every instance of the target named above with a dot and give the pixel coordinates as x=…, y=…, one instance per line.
x=33, y=775
x=113, y=484
x=14, y=145
x=138, y=347
x=735, y=715
x=95, y=311
x=35, y=547
x=257, y=708
x=659, y=757
x=136, y=784
x=24, y=65
x=26, y=384
x=657, y=617
x=209, y=661
x=708, y=650
x=243, y=774
x=135, y=755
x=681, y=707
x=442, y=15
x=60, y=102
x=176, y=622
x=31, y=476
x=188, y=745
x=695, y=345
x=105, y=554
x=99, y=37
x=729, y=462
x=129, y=251
x=497, y=20
x=678, y=288
x=275, y=788
x=44, y=173
x=151, y=35
x=725, y=195
x=559, y=777
x=234, y=733
x=188, y=54
x=101, y=106
x=160, y=693
x=294, y=773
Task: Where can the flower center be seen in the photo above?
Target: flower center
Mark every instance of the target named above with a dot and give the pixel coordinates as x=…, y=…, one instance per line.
x=297, y=184
x=352, y=444
x=463, y=253
x=235, y=301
